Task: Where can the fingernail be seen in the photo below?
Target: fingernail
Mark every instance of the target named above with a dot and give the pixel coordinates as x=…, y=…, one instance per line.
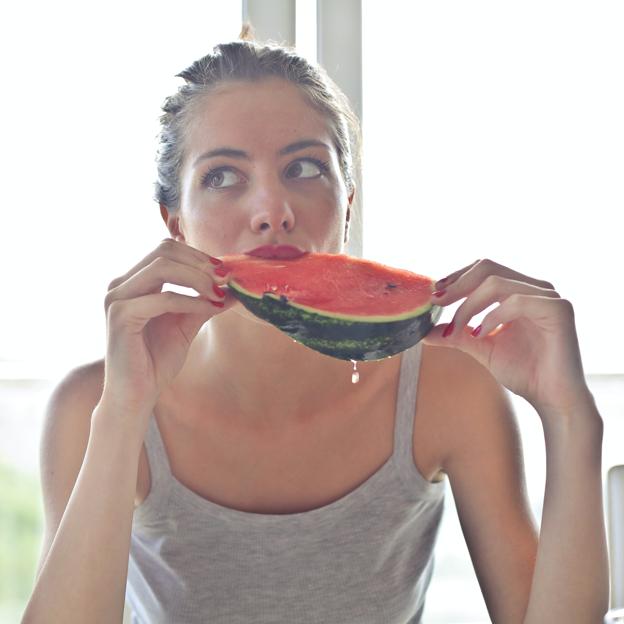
x=215, y=260
x=219, y=304
x=441, y=282
x=449, y=329
x=475, y=332
x=222, y=271
x=217, y=290
x=439, y=293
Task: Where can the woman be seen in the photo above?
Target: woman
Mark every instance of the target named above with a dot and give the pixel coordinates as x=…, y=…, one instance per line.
x=234, y=475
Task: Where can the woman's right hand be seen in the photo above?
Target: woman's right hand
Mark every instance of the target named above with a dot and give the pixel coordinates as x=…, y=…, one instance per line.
x=149, y=332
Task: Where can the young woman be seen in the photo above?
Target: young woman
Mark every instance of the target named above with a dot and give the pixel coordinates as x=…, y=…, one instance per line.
x=224, y=473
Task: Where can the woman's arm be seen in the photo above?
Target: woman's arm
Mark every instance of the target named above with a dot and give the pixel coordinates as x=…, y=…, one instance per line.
x=84, y=560
x=149, y=333
x=530, y=346
x=558, y=573
x=571, y=578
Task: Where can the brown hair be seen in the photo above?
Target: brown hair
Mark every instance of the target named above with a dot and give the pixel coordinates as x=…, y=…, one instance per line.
x=248, y=60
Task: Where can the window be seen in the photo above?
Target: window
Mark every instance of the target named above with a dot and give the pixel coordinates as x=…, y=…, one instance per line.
x=495, y=130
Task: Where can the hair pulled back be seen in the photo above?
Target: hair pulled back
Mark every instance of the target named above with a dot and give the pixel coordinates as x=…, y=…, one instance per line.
x=251, y=61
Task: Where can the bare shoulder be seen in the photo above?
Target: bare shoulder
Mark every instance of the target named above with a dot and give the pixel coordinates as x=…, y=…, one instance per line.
x=80, y=387
x=67, y=418
x=64, y=439
x=467, y=409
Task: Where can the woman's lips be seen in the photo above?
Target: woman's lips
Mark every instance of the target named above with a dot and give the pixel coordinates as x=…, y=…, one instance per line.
x=281, y=252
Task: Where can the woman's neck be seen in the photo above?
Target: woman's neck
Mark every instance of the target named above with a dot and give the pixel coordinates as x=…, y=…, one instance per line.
x=257, y=372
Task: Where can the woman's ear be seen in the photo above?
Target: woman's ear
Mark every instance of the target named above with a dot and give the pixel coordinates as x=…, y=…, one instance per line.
x=172, y=223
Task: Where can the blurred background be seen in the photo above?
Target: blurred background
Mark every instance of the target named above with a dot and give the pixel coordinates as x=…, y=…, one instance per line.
x=491, y=130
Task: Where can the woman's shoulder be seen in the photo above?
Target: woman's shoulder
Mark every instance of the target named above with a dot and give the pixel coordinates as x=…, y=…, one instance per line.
x=86, y=381
x=456, y=376
x=465, y=402
x=75, y=395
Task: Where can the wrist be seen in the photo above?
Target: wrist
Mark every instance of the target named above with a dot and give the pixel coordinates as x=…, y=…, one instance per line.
x=582, y=403
x=119, y=423
x=579, y=424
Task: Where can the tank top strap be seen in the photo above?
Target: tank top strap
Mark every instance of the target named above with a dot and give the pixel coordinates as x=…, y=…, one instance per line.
x=406, y=400
x=159, y=469
x=404, y=423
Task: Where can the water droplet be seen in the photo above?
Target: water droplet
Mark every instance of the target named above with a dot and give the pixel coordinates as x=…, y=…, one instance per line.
x=355, y=376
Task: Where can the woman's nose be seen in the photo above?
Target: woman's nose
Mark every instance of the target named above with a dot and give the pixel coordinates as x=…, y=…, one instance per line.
x=272, y=210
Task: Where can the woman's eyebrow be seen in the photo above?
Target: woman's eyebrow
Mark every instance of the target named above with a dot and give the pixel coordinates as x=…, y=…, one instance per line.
x=240, y=154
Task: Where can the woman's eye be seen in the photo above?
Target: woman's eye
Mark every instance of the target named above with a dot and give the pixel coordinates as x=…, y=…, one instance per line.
x=306, y=169
x=220, y=178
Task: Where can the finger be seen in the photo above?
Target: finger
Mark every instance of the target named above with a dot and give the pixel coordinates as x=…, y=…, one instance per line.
x=134, y=314
x=494, y=289
x=150, y=280
x=190, y=324
x=452, y=278
x=469, y=278
x=546, y=312
x=178, y=251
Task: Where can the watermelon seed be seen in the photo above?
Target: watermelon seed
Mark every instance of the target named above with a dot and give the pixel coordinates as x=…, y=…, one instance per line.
x=391, y=285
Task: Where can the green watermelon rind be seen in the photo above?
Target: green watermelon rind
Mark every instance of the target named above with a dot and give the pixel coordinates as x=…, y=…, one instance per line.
x=339, y=335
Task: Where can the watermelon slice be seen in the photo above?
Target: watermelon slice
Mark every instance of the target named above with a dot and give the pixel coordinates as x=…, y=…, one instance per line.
x=345, y=307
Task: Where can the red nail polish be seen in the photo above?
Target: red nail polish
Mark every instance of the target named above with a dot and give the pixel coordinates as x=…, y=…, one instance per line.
x=222, y=271
x=215, y=260
x=219, y=304
x=475, y=332
x=449, y=329
x=218, y=291
x=439, y=293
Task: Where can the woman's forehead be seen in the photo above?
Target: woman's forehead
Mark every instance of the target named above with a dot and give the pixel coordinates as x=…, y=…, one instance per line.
x=272, y=109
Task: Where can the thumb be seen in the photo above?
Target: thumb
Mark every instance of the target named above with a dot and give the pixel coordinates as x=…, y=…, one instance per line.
x=190, y=324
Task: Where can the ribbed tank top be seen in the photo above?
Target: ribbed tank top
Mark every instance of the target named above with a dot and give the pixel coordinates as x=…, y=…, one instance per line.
x=366, y=558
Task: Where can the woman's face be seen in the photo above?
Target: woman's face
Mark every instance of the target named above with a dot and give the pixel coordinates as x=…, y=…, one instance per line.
x=251, y=175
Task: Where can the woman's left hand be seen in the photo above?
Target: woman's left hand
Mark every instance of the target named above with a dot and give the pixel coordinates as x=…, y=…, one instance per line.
x=535, y=351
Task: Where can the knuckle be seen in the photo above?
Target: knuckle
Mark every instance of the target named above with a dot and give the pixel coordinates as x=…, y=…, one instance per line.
x=108, y=299
x=515, y=299
x=159, y=264
x=115, y=282
x=158, y=261
x=484, y=266
x=491, y=282
x=115, y=311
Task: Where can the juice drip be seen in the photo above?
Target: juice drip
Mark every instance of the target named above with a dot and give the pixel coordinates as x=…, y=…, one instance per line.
x=355, y=376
